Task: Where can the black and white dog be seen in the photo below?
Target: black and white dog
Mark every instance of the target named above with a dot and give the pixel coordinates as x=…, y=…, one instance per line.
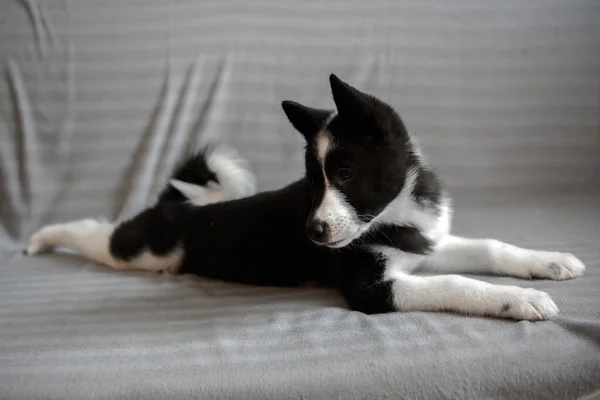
x=368, y=212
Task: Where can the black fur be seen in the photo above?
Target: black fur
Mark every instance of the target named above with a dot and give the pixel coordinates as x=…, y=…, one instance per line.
x=306, y=120
x=428, y=189
x=359, y=278
x=405, y=238
x=256, y=240
x=262, y=240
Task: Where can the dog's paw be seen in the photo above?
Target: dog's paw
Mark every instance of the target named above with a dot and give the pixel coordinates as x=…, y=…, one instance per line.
x=526, y=304
x=525, y=263
x=554, y=265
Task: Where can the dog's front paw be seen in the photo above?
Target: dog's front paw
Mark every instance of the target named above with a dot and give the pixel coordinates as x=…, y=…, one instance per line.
x=527, y=304
x=554, y=265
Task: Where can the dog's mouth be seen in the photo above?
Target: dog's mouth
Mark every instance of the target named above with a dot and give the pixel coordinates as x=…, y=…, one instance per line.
x=338, y=244
x=347, y=235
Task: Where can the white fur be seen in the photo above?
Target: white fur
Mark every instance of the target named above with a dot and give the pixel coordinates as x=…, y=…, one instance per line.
x=404, y=210
x=341, y=218
x=232, y=171
x=91, y=238
x=455, y=254
x=323, y=145
x=196, y=194
x=469, y=296
x=236, y=180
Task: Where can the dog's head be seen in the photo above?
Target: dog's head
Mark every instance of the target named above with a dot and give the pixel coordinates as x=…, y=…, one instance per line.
x=356, y=162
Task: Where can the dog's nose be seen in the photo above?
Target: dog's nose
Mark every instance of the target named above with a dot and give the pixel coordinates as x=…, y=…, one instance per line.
x=317, y=230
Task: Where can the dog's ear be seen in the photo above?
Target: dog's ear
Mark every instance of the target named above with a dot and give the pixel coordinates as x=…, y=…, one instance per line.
x=308, y=121
x=365, y=111
x=348, y=100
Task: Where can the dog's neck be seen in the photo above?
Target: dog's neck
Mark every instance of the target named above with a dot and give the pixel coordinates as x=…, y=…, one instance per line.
x=430, y=215
x=403, y=209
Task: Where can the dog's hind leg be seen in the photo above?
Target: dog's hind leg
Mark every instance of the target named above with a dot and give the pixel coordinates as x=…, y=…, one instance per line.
x=488, y=256
x=147, y=242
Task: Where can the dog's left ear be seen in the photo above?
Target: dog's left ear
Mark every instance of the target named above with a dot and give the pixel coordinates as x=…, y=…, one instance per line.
x=308, y=121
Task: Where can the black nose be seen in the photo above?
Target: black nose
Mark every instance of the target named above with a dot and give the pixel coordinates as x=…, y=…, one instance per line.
x=317, y=230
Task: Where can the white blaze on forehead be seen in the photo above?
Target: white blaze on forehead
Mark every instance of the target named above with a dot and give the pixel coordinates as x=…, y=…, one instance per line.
x=323, y=147
x=324, y=143
x=331, y=200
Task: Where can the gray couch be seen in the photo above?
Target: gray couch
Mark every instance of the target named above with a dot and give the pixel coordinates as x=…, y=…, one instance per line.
x=99, y=99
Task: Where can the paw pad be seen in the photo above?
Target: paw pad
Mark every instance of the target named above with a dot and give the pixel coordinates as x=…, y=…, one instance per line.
x=559, y=271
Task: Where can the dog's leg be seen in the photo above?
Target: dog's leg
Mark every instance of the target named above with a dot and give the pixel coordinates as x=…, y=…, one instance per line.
x=469, y=296
x=87, y=236
x=488, y=256
x=394, y=289
x=129, y=245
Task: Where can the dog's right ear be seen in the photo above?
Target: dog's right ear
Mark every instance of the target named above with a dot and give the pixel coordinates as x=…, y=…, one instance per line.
x=308, y=121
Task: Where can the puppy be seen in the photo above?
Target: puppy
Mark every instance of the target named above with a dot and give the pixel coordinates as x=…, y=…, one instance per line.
x=368, y=212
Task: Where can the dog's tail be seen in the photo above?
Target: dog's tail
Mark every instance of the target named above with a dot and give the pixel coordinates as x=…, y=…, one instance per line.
x=216, y=173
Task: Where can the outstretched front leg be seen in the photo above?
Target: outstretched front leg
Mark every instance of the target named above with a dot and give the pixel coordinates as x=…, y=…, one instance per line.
x=488, y=256
x=380, y=281
x=149, y=242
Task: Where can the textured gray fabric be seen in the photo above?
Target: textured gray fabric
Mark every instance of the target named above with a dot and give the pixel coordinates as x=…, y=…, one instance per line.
x=99, y=98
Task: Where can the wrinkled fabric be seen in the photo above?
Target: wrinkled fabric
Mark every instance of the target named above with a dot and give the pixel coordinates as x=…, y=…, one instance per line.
x=99, y=99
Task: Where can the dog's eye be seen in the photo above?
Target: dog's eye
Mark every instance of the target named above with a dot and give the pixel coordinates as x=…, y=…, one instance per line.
x=344, y=174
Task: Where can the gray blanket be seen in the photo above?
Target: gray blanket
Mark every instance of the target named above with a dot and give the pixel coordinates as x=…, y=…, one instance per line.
x=100, y=98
